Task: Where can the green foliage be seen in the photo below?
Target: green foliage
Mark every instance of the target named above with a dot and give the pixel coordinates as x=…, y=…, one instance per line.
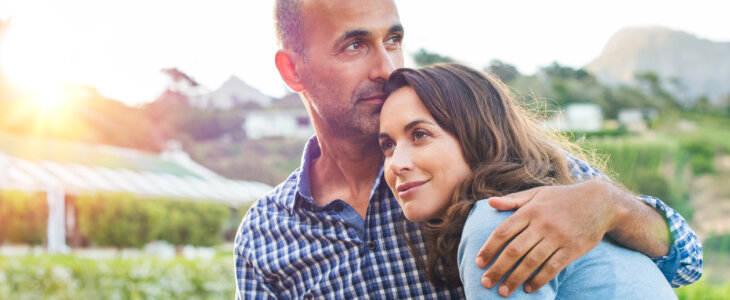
x=120, y=220
x=703, y=291
x=504, y=71
x=701, y=155
x=557, y=71
x=275, y=158
x=230, y=227
x=123, y=220
x=23, y=217
x=641, y=166
x=659, y=96
x=424, y=58
x=193, y=223
x=603, y=133
x=68, y=277
x=717, y=243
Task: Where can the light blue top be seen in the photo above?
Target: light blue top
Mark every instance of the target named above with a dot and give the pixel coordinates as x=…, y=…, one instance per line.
x=606, y=272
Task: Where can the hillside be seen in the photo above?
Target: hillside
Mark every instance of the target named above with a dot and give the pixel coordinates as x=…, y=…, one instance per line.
x=701, y=66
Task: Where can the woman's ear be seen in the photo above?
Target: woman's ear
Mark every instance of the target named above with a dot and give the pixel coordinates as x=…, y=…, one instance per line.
x=286, y=61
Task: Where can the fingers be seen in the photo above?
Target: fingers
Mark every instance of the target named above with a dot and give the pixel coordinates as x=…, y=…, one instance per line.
x=556, y=263
x=529, y=264
x=499, y=237
x=512, y=253
x=513, y=201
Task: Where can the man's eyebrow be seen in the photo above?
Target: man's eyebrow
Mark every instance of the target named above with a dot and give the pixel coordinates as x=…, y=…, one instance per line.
x=396, y=27
x=362, y=32
x=351, y=34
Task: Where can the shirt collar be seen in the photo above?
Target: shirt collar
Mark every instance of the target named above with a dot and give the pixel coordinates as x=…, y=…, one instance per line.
x=303, y=190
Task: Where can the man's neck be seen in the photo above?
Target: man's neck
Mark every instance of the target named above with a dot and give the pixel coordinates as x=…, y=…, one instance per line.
x=345, y=170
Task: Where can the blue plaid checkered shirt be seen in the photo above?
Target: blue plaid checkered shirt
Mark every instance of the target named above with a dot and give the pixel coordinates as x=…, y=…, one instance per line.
x=290, y=248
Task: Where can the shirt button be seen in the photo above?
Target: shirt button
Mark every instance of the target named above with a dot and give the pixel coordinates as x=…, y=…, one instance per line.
x=371, y=245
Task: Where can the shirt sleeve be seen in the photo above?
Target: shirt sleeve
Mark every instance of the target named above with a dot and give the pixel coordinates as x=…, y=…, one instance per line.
x=683, y=264
x=249, y=284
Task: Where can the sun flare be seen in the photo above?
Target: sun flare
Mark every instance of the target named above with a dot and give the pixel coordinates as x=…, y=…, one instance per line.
x=35, y=63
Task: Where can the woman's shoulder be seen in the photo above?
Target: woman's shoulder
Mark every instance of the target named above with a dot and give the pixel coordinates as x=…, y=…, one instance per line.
x=483, y=219
x=480, y=224
x=614, y=272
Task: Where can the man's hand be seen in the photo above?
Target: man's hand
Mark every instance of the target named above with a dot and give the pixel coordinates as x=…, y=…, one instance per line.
x=553, y=226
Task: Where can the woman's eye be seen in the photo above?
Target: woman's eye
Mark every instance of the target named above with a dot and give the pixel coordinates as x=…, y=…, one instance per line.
x=419, y=134
x=386, y=146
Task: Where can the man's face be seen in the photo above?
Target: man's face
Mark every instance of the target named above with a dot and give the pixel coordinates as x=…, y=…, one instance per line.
x=352, y=47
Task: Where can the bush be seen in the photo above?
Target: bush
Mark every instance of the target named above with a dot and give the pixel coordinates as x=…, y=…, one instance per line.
x=701, y=155
x=119, y=220
x=193, y=223
x=68, y=277
x=23, y=217
x=642, y=167
x=702, y=164
x=703, y=291
x=123, y=220
x=717, y=243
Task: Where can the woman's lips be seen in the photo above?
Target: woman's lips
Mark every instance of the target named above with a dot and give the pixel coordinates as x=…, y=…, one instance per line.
x=409, y=188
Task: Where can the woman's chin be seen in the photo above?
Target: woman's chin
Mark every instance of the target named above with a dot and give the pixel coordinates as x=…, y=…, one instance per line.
x=416, y=216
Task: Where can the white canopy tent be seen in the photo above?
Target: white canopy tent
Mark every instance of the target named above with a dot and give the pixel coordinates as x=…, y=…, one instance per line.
x=58, y=179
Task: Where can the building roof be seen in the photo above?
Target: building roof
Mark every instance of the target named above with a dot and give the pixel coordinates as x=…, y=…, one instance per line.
x=77, y=168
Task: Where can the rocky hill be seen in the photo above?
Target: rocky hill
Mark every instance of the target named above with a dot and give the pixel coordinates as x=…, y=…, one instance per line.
x=689, y=66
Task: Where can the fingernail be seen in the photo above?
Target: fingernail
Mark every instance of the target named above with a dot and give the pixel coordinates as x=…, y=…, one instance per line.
x=504, y=291
x=486, y=282
x=528, y=289
x=480, y=262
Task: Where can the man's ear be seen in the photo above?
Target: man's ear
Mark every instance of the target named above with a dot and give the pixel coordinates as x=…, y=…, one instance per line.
x=286, y=61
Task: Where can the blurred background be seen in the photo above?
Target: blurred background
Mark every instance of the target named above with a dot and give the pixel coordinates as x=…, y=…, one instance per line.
x=135, y=134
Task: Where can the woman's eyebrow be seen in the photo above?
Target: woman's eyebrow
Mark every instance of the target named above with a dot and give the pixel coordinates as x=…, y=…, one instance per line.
x=413, y=123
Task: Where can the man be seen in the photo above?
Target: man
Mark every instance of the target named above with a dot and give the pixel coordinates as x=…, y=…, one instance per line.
x=330, y=230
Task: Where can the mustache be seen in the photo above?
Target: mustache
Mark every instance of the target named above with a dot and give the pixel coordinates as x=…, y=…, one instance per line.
x=369, y=90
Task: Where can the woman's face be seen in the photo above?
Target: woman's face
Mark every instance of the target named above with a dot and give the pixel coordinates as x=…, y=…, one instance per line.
x=423, y=162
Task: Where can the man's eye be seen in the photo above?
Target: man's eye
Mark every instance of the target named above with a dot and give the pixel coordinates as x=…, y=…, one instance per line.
x=396, y=39
x=353, y=46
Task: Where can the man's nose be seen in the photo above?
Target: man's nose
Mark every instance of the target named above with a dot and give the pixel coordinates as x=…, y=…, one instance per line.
x=383, y=64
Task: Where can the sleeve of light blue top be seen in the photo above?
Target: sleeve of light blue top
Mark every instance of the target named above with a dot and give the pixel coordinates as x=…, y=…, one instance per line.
x=683, y=264
x=606, y=272
x=481, y=223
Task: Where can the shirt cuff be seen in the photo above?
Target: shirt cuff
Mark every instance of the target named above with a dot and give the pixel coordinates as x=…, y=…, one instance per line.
x=668, y=264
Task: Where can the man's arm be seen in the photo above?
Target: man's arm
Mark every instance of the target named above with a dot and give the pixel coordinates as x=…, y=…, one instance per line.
x=555, y=225
x=683, y=264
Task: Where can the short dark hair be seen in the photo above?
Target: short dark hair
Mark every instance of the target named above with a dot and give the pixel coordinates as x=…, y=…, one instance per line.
x=288, y=22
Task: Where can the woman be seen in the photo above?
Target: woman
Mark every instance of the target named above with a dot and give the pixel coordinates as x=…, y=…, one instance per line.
x=452, y=136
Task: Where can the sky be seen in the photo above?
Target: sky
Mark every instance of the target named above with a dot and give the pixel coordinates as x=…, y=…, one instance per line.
x=119, y=47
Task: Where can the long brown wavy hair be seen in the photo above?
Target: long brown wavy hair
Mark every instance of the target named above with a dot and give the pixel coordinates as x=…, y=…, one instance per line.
x=504, y=147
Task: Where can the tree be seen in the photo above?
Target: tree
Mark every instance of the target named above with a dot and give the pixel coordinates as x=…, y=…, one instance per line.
x=424, y=58
x=504, y=71
x=557, y=71
x=660, y=97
